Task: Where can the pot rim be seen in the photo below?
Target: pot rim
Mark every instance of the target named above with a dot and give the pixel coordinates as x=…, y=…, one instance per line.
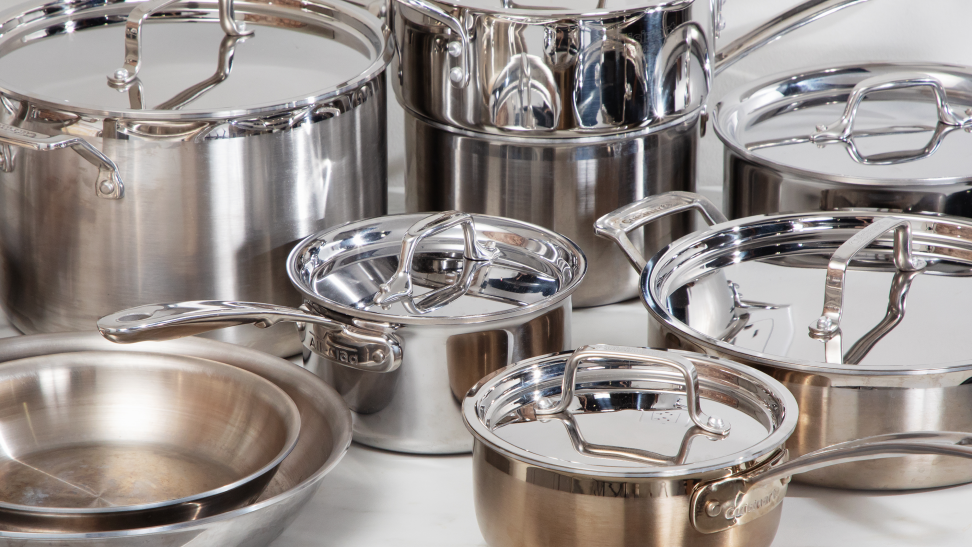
x=735, y=97
x=383, y=57
x=649, y=299
x=533, y=16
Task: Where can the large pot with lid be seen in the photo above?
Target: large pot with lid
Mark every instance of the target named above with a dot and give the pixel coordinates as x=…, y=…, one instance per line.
x=205, y=147
x=858, y=313
x=403, y=314
x=884, y=136
x=616, y=446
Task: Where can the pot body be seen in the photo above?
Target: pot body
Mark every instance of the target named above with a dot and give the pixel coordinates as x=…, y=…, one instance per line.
x=753, y=188
x=520, y=505
x=210, y=210
x=560, y=184
x=416, y=408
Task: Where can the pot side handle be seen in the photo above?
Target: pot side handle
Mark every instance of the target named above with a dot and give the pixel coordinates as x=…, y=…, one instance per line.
x=108, y=184
x=615, y=226
x=459, y=49
x=721, y=505
x=373, y=351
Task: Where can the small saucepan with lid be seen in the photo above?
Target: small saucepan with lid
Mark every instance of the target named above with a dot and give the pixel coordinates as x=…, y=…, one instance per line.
x=859, y=313
x=619, y=446
x=403, y=314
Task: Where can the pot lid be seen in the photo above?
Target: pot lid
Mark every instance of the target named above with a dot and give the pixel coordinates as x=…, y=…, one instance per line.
x=182, y=63
x=867, y=124
x=629, y=412
x=556, y=8
x=870, y=292
x=458, y=267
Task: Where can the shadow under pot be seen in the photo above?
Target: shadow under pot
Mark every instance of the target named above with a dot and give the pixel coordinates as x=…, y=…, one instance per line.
x=861, y=314
x=403, y=314
x=633, y=447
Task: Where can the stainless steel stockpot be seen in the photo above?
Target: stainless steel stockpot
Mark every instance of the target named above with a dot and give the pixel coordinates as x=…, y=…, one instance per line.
x=632, y=447
x=567, y=68
x=881, y=296
x=403, y=314
x=883, y=136
x=199, y=163
x=325, y=434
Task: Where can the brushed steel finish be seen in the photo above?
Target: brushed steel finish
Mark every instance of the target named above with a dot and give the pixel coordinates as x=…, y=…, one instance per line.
x=325, y=434
x=561, y=184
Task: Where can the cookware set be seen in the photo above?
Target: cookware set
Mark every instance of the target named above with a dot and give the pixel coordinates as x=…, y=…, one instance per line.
x=801, y=339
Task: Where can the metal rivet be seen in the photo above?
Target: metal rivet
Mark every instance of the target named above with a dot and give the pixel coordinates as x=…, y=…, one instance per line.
x=544, y=403
x=715, y=422
x=121, y=74
x=824, y=322
x=107, y=187
x=712, y=508
x=456, y=75
x=455, y=48
x=377, y=356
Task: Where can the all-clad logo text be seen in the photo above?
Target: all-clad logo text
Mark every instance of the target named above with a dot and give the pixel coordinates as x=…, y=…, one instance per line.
x=769, y=500
x=19, y=131
x=333, y=351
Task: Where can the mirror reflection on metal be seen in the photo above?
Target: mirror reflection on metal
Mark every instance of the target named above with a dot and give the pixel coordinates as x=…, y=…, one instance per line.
x=458, y=50
x=710, y=424
x=827, y=326
x=524, y=95
x=399, y=286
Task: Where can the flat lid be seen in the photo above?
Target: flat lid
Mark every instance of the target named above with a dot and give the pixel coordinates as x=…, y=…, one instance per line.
x=756, y=286
x=529, y=268
x=548, y=8
x=896, y=136
x=294, y=55
x=628, y=418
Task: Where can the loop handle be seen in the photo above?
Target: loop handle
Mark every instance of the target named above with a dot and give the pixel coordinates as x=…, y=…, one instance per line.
x=460, y=50
x=710, y=424
x=615, y=226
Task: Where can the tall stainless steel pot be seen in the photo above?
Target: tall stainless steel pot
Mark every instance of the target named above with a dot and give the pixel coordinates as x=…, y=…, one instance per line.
x=888, y=354
x=559, y=113
x=201, y=181
x=403, y=314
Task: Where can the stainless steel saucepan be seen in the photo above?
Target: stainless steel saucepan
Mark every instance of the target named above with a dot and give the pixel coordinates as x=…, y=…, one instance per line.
x=185, y=147
x=632, y=447
x=101, y=441
x=403, y=314
x=861, y=314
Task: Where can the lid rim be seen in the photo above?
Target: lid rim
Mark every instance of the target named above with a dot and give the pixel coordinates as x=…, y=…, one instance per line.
x=544, y=16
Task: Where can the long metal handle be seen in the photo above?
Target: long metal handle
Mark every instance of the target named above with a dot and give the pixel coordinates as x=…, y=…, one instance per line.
x=615, y=226
x=720, y=505
x=842, y=129
x=108, y=184
x=711, y=424
x=459, y=50
x=378, y=352
x=782, y=24
x=828, y=324
x=675, y=54
x=125, y=76
x=399, y=286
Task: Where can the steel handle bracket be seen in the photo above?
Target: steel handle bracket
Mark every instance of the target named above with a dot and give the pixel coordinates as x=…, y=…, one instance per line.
x=108, y=185
x=616, y=225
x=459, y=50
x=710, y=424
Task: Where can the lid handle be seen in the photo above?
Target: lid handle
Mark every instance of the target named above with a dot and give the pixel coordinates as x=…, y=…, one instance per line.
x=710, y=424
x=459, y=50
x=615, y=226
x=399, y=286
x=125, y=76
x=842, y=129
x=827, y=326
x=721, y=505
x=376, y=352
x=108, y=185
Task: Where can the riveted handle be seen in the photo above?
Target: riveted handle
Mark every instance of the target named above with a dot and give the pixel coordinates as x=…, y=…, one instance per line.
x=126, y=76
x=710, y=424
x=721, y=505
x=373, y=351
x=399, y=286
x=615, y=226
x=108, y=184
x=828, y=324
x=842, y=129
x=460, y=49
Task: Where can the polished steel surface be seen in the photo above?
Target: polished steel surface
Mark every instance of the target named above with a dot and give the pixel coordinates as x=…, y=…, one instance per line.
x=560, y=68
x=899, y=385
x=324, y=438
x=101, y=441
x=899, y=143
x=561, y=184
x=212, y=204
